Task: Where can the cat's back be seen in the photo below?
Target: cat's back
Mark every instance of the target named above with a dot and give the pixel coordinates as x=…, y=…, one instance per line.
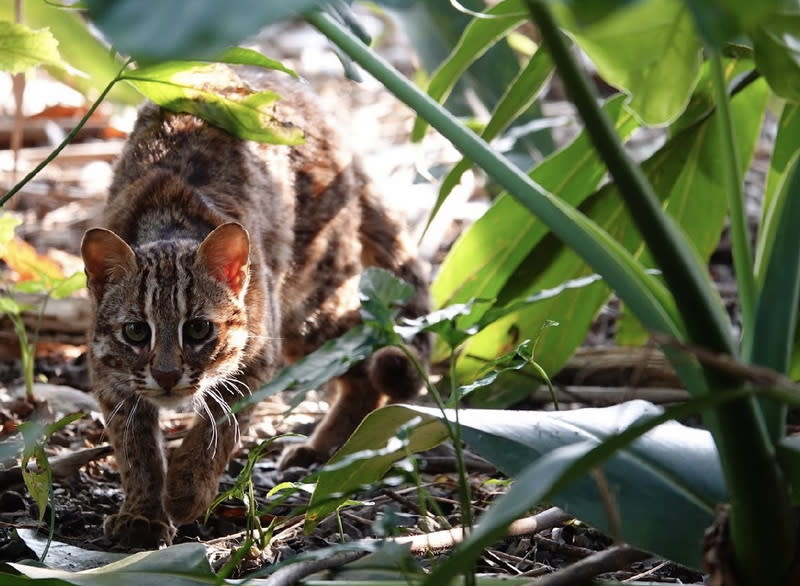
x=180, y=176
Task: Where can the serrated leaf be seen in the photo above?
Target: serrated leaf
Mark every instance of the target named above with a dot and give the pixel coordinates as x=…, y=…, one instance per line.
x=78, y=47
x=22, y=48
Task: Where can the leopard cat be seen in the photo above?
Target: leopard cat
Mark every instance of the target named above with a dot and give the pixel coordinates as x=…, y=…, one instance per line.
x=219, y=261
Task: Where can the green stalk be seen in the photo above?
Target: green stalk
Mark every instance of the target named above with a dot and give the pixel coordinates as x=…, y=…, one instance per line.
x=758, y=494
x=742, y=250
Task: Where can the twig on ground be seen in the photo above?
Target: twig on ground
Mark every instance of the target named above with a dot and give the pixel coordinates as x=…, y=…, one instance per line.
x=447, y=539
x=583, y=572
x=290, y=575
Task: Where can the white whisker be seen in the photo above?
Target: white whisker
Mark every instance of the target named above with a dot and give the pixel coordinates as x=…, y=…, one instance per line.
x=211, y=421
x=214, y=394
x=128, y=425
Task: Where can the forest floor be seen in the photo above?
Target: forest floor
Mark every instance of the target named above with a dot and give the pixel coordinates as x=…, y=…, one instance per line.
x=66, y=199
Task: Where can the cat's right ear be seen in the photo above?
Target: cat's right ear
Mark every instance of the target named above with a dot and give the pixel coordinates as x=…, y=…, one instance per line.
x=106, y=257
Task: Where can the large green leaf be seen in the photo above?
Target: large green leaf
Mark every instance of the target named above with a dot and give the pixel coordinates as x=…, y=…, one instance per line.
x=672, y=465
x=650, y=50
x=686, y=174
x=179, y=565
x=784, y=150
x=22, y=48
x=481, y=261
x=168, y=29
x=777, y=54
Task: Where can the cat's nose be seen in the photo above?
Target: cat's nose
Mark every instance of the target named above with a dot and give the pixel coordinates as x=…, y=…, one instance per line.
x=167, y=378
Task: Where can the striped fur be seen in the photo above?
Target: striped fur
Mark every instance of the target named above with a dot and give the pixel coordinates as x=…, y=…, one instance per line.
x=220, y=260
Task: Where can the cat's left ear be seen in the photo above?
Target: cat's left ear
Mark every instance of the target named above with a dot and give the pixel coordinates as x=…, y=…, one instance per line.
x=106, y=257
x=225, y=254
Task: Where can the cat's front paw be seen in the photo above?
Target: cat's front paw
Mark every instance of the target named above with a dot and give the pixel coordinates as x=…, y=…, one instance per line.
x=189, y=492
x=136, y=531
x=300, y=455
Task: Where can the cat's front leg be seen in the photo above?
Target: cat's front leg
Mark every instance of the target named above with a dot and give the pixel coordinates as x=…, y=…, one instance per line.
x=142, y=521
x=196, y=466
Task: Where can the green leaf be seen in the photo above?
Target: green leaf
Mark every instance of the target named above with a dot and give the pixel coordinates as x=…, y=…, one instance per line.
x=180, y=86
x=22, y=48
x=685, y=173
x=243, y=56
x=673, y=465
x=473, y=269
x=719, y=21
x=38, y=478
x=478, y=37
x=12, y=307
x=156, y=30
x=649, y=50
x=788, y=452
x=381, y=293
x=180, y=565
x=517, y=98
x=784, y=151
x=777, y=54
x=63, y=288
x=333, y=358
x=8, y=225
x=774, y=331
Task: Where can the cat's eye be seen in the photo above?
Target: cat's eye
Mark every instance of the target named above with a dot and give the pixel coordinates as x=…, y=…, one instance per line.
x=136, y=332
x=196, y=330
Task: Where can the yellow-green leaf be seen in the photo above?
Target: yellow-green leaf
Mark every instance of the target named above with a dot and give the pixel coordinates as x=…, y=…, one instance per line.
x=22, y=48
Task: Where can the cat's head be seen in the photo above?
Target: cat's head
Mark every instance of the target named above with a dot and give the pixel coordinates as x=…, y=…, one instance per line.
x=170, y=316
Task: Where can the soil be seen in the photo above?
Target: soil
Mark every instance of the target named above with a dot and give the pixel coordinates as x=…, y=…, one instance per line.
x=65, y=200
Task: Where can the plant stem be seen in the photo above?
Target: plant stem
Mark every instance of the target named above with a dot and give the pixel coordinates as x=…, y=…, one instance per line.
x=742, y=250
x=758, y=494
x=67, y=140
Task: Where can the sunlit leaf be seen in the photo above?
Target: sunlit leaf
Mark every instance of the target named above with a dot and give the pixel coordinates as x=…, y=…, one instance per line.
x=8, y=224
x=651, y=51
x=29, y=265
x=673, y=465
x=182, y=86
x=22, y=48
